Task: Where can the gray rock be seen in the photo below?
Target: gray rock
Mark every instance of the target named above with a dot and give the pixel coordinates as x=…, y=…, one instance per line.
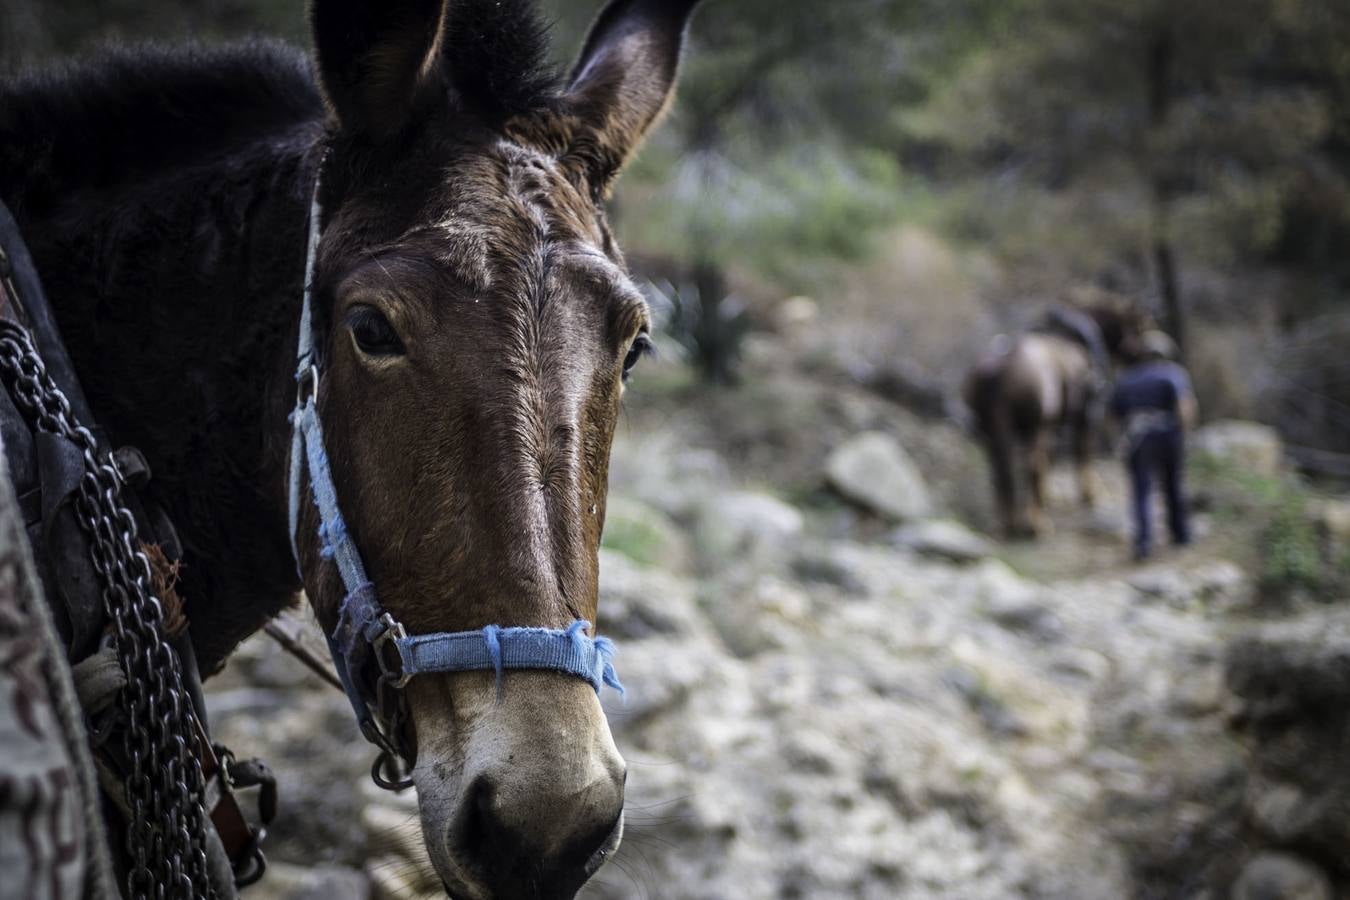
x=1162, y=583
x=874, y=471
x=943, y=539
x=286, y=881
x=637, y=602
x=768, y=613
x=1033, y=619
x=1333, y=518
x=1251, y=446
x=645, y=535
x=1222, y=584
x=1281, y=876
x=745, y=526
x=1292, y=707
x=663, y=471
x=819, y=566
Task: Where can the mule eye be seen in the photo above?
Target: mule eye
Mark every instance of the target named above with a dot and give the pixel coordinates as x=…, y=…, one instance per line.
x=373, y=333
x=642, y=346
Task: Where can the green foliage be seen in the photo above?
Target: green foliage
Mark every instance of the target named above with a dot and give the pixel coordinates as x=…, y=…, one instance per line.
x=636, y=539
x=1291, y=554
x=715, y=208
x=31, y=30
x=780, y=151
x=1067, y=135
x=1200, y=123
x=1268, y=522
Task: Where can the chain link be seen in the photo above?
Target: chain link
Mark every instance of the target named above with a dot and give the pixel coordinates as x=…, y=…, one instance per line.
x=165, y=791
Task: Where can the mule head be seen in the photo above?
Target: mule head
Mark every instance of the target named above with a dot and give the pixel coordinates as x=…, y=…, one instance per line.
x=475, y=325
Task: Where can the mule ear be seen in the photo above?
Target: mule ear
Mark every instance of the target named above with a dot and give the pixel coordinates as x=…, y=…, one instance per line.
x=372, y=56
x=624, y=78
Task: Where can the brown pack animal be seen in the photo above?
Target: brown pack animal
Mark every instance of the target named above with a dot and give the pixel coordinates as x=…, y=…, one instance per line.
x=1027, y=389
x=473, y=320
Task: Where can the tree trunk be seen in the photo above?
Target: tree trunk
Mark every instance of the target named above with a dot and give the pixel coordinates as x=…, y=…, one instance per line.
x=1174, y=310
x=714, y=334
x=1161, y=54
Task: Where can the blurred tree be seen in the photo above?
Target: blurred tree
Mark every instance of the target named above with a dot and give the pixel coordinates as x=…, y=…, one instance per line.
x=33, y=30
x=780, y=152
x=1213, y=127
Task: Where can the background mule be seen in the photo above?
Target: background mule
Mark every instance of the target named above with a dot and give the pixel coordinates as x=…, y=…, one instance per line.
x=475, y=324
x=1024, y=391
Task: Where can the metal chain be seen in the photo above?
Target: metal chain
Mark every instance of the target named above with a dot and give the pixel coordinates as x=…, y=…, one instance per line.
x=166, y=838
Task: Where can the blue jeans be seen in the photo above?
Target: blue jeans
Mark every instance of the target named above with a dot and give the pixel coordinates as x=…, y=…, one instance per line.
x=1161, y=453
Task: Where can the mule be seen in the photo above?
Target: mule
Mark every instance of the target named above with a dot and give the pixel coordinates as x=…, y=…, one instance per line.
x=1028, y=389
x=475, y=324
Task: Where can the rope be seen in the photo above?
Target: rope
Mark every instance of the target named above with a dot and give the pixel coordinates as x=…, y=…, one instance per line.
x=289, y=640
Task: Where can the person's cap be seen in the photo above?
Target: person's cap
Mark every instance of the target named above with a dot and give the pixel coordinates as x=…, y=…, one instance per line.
x=1157, y=345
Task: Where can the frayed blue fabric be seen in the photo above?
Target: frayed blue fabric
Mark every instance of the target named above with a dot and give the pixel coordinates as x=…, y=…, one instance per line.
x=358, y=621
x=495, y=649
x=570, y=651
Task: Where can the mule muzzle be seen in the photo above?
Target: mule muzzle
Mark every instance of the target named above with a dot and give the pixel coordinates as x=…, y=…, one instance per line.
x=512, y=858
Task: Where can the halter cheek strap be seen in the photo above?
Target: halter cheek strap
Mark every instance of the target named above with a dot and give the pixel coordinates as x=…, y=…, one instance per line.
x=365, y=631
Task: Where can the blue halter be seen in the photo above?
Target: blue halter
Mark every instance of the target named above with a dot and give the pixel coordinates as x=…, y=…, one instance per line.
x=365, y=630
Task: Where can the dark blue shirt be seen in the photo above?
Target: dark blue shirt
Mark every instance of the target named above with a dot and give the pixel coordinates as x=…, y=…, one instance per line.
x=1152, y=386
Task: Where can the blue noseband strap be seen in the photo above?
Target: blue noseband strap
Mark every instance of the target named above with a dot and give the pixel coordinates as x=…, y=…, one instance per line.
x=494, y=649
x=365, y=630
x=362, y=625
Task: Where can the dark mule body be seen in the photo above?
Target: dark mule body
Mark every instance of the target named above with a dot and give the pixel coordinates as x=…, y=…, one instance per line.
x=173, y=257
x=1026, y=391
x=474, y=322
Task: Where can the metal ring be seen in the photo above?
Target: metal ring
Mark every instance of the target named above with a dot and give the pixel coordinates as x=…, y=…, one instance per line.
x=393, y=631
x=309, y=377
x=399, y=782
x=252, y=867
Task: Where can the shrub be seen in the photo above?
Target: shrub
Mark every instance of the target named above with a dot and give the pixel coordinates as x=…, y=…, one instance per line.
x=1291, y=551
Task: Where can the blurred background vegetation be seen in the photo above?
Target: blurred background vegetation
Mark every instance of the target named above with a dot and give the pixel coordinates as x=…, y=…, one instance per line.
x=934, y=170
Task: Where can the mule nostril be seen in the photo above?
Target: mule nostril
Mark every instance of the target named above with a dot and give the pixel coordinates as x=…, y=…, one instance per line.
x=590, y=851
x=478, y=825
x=560, y=841
x=482, y=793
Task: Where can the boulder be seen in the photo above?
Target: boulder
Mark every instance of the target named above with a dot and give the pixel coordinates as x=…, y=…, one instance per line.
x=1251, y=446
x=768, y=613
x=1162, y=583
x=638, y=603
x=744, y=526
x=1333, y=517
x=874, y=471
x=795, y=315
x=943, y=539
x=286, y=881
x=1293, y=709
x=1280, y=876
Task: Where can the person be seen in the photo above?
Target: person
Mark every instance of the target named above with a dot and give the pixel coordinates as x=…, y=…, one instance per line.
x=1154, y=401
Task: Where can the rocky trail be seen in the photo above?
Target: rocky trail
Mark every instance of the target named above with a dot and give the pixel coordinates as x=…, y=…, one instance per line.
x=830, y=701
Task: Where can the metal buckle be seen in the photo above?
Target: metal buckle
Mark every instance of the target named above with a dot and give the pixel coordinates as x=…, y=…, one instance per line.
x=389, y=773
x=393, y=631
x=308, y=377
